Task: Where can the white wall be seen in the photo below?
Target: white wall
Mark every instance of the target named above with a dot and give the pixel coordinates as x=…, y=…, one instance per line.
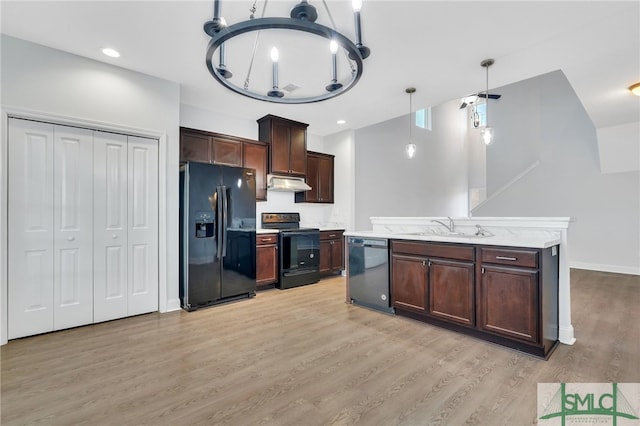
x=605, y=208
x=433, y=183
x=619, y=148
x=43, y=81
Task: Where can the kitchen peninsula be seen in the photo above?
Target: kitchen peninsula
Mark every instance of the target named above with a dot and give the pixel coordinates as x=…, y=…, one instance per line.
x=505, y=280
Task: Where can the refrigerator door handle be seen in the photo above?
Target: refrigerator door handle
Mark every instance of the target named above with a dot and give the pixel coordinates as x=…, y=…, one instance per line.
x=225, y=224
x=219, y=206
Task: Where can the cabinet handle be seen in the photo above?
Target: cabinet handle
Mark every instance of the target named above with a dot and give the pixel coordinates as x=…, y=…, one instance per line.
x=265, y=240
x=332, y=235
x=424, y=263
x=482, y=270
x=513, y=259
x=429, y=263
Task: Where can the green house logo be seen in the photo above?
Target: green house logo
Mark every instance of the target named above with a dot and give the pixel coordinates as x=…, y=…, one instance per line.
x=588, y=403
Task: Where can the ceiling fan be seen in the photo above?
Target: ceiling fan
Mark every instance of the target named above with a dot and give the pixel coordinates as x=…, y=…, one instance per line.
x=470, y=99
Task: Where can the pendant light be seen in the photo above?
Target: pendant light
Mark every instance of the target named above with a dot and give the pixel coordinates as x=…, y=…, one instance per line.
x=410, y=148
x=487, y=132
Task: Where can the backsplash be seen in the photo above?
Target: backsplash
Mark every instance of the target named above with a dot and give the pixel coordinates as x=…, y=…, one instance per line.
x=311, y=215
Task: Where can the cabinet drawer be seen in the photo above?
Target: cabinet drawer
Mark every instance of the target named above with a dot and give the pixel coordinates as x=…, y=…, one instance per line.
x=330, y=235
x=264, y=239
x=515, y=257
x=446, y=251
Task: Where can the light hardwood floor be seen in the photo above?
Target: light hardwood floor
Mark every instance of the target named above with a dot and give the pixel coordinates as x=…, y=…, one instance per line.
x=305, y=357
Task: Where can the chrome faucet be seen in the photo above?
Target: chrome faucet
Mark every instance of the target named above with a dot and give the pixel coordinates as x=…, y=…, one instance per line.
x=450, y=227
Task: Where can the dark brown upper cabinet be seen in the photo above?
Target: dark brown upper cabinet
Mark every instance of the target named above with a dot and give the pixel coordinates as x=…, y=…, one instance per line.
x=319, y=177
x=215, y=148
x=287, y=141
x=255, y=157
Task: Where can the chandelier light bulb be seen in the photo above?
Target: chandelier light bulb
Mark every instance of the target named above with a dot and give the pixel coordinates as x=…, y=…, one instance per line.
x=357, y=5
x=333, y=47
x=274, y=54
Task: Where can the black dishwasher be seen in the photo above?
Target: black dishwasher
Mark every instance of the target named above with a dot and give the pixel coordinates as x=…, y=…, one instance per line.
x=368, y=273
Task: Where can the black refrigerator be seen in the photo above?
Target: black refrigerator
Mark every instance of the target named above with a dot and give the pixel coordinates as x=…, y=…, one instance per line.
x=217, y=234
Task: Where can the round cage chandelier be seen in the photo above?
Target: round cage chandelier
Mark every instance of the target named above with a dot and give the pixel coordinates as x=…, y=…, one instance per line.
x=302, y=19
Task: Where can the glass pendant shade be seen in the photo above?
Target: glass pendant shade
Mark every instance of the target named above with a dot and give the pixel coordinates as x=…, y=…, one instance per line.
x=487, y=135
x=410, y=150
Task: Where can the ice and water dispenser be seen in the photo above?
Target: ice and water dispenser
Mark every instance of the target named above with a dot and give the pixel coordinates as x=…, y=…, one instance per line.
x=205, y=225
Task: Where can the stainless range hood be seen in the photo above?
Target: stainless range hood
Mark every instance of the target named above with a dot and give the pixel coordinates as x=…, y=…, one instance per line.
x=286, y=183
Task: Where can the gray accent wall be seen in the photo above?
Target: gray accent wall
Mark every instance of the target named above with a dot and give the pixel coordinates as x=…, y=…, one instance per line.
x=605, y=208
x=433, y=183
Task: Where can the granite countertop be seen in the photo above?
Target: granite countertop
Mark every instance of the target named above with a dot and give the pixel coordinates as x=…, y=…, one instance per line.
x=529, y=241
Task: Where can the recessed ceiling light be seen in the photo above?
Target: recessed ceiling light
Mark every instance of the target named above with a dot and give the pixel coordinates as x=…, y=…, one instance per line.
x=341, y=121
x=113, y=53
x=635, y=89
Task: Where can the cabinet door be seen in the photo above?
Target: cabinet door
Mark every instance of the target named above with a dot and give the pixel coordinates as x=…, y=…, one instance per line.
x=325, y=180
x=298, y=150
x=451, y=291
x=227, y=152
x=266, y=264
x=337, y=255
x=311, y=196
x=325, y=256
x=409, y=283
x=508, y=302
x=255, y=157
x=195, y=147
x=30, y=228
x=280, y=148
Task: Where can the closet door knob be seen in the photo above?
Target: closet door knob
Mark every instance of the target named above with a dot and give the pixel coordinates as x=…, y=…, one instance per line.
x=71, y=238
x=114, y=236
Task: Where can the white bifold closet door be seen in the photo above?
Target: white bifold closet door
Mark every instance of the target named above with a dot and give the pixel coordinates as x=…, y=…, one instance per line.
x=50, y=265
x=82, y=227
x=126, y=226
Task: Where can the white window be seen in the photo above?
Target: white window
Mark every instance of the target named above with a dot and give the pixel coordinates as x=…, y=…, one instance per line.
x=423, y=118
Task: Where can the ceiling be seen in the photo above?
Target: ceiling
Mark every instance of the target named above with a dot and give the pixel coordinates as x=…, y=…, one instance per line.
x=435, y=46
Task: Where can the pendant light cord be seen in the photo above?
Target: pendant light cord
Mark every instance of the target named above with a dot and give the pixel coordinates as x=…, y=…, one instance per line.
x=486, y=108
x=410, y=109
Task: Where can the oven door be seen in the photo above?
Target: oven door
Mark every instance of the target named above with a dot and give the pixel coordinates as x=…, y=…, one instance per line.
x=299, y=258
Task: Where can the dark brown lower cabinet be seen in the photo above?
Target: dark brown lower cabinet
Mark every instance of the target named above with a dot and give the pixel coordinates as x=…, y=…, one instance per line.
x=409, y=283
x=266, y=260
x=331, y=252
x=451, y=286
x=504, y=295
x=509, y=302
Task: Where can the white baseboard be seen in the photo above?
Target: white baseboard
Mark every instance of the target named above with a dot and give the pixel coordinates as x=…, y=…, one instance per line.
x=173, y=305
x=631, y=270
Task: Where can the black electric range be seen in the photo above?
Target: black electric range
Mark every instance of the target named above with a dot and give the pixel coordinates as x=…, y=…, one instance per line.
x=299, y=249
